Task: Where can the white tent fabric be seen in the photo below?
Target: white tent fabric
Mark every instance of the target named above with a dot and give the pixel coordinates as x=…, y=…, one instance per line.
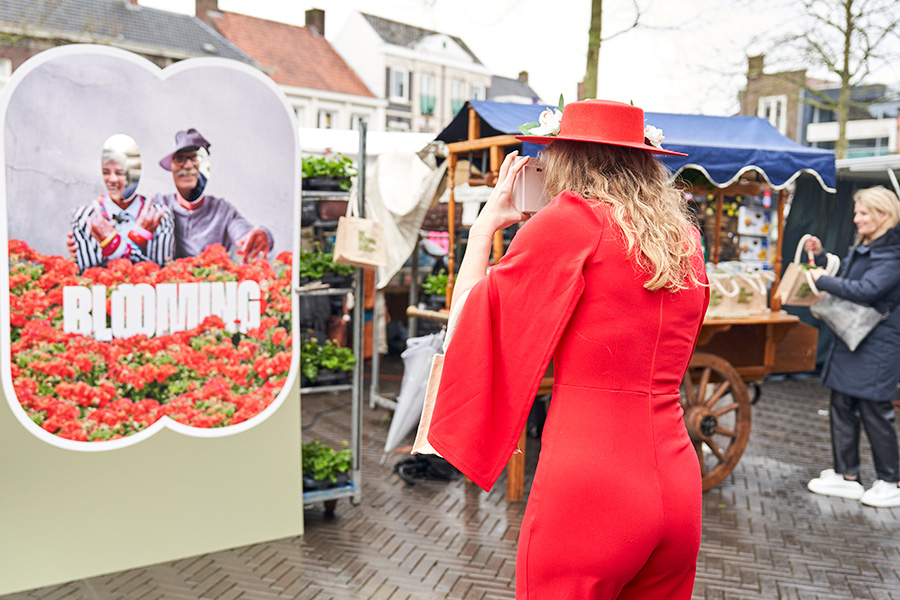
x=400, y=188
x=416, y=367
x=346, y=141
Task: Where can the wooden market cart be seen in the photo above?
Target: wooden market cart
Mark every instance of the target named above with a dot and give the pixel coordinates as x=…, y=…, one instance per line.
x=731, y=353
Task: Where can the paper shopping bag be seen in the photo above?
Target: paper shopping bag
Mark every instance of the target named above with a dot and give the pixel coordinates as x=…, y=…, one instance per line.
x=751, y=296
x=796, y=287
x=359, y=242
x=421, y=445
x=723, y=294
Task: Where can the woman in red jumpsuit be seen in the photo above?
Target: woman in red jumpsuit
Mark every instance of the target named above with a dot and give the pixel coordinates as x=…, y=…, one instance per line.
x=608, y=280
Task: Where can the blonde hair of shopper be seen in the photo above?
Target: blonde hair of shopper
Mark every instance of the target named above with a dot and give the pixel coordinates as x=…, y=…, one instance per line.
x=884, y=204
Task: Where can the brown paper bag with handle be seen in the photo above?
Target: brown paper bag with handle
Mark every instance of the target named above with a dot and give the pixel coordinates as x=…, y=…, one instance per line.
x=359, y=242
x=797, y=286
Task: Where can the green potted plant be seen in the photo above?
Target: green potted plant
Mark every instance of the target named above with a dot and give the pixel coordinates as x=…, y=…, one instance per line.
x=327, y=173
x=326, y=364
x=434, y=290
x=324, y=467
x=318, y=265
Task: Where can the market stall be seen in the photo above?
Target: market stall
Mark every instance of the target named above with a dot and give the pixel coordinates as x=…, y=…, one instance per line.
x=737, y=172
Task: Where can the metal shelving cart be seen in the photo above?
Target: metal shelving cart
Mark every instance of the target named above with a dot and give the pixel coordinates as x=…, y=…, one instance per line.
x=353, y=490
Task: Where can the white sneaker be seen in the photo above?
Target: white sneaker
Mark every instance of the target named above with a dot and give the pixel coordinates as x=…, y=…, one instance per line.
x=829, y=483
x=882, y=494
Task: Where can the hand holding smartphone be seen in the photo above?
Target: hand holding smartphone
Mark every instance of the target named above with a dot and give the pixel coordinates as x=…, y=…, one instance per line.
x=528, y=188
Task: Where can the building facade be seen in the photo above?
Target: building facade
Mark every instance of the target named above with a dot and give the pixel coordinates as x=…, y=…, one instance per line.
x=787, y=100
x=321, y=88
x=28, y=27
x=425, y=76
x=774, y=97
x=872, y=129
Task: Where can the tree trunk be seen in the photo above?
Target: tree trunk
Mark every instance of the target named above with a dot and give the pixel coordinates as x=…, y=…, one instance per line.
x=842, y=110
x=589, y=89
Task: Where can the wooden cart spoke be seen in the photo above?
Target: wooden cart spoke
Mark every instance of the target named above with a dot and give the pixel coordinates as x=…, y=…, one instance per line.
x=702, y=417
x=726, y=432
x=704, y=381
x=726, y=409
x=687, y=388
x=712, y=445
x=718, y=393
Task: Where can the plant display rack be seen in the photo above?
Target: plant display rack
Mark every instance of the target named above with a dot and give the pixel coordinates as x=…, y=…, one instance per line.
x=353, y=489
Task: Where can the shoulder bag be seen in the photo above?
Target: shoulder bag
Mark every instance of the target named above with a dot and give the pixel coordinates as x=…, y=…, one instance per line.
x=848, y=320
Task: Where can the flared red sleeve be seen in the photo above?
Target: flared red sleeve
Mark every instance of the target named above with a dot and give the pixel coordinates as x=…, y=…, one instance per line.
x=507, y=332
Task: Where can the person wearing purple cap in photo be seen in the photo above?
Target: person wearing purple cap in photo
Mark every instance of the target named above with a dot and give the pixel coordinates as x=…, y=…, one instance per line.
x=201, y=219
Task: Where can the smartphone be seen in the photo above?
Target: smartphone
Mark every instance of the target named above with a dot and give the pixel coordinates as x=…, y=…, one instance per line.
x=528, y=188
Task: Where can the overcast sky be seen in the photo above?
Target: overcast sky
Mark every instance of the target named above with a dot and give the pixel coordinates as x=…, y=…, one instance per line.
x=689, y=56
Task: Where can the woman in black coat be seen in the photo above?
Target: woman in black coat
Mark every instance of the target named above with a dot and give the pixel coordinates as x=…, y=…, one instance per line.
x=864, y=382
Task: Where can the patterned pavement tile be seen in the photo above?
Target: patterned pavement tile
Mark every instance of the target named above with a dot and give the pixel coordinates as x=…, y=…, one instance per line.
x=764, y=536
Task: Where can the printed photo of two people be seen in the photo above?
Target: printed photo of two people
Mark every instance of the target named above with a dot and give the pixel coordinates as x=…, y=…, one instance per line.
x=149, y=223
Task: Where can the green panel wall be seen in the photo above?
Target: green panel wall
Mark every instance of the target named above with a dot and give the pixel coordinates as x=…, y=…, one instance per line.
x=68, y=515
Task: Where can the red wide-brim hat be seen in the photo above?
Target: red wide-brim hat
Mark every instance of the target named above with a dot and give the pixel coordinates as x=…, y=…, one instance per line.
x=601, y=122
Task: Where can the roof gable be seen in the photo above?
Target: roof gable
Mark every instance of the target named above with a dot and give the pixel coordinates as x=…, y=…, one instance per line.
x=409, y=36
x=291, y=55
x=504, y=86
x=117, y=22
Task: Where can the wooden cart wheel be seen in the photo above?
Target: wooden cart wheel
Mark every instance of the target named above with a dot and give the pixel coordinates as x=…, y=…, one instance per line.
x=716, y=414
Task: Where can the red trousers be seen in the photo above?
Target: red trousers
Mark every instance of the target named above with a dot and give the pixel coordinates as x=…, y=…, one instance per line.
x=615, y=507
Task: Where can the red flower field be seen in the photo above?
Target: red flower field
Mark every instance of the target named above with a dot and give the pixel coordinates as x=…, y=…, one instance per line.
x=82, y=389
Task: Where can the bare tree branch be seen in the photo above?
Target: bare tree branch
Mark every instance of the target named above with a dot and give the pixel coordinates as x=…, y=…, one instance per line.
x=637, y=18
x=844, y=38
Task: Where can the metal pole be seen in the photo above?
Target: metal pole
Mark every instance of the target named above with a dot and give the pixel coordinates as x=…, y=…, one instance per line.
x=894, y=181
x=358, y=324
x=413, y=326
x=376, y=357
x=373, y=386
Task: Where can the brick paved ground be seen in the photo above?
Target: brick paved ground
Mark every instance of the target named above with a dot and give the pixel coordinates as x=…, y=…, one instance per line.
x=765, y=537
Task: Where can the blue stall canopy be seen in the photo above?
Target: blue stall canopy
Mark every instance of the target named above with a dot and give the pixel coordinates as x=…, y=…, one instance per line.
x=722, y=148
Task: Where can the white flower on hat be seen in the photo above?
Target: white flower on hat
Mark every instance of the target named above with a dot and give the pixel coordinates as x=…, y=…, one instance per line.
x=548, y=122
x=654, y=136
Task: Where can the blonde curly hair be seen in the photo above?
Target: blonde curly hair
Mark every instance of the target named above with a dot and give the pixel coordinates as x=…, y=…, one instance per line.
x=651, y=212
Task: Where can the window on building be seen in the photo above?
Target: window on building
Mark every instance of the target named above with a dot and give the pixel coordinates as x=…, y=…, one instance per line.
x=427, y=98
x=326, y=120
x=457, y=95
x=5, y=68
x=774, y=110
x=478, y=92
x=867, y=147
x=301, y=115
x=399, y=84
x=820, y=115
